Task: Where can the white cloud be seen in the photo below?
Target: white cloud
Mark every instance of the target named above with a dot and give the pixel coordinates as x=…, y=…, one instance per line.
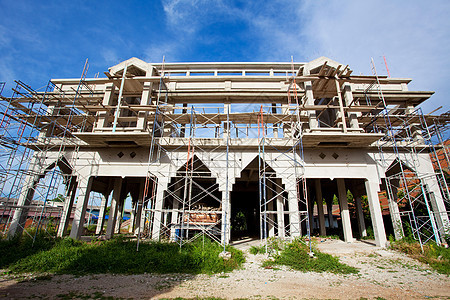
x=110, y=56
x=413, y=35
x=189, y=15
x=169, y=50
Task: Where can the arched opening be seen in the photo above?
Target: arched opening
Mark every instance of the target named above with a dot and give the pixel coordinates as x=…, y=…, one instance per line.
x=192, y=204
x=246, y=206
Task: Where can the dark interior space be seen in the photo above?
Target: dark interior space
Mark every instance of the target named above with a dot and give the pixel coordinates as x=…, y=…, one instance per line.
x=245, y=212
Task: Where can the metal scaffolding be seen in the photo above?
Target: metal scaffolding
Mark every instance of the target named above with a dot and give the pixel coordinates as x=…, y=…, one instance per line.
x=410, y=192
x=199, y=134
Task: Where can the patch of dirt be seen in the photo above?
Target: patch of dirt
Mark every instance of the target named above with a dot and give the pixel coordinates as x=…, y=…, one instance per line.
x=383, y=273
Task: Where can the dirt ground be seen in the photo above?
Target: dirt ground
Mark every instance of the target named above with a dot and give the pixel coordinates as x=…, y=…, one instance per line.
x=383, y=273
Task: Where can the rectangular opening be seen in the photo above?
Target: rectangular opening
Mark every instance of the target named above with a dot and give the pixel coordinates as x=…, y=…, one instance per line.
x=333, y=144
x=257, y=73
x=230, y=73
x=202, y=73
x=175, y=73
x=121, y=143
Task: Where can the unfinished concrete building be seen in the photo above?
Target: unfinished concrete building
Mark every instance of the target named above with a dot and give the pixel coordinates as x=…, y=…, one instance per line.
x=226, y=150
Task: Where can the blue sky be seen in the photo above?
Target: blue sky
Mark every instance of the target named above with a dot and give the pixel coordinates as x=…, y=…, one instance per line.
x=40, y=40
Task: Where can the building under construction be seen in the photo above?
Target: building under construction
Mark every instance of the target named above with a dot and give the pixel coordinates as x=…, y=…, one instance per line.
x=225, y=150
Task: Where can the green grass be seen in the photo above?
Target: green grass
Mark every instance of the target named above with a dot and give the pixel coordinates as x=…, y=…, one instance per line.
x=119, y=256
x=296, y=256
x=257, y=249
x=436, y=256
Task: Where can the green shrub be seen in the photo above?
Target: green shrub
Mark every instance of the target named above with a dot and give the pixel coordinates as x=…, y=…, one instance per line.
x=296, y=255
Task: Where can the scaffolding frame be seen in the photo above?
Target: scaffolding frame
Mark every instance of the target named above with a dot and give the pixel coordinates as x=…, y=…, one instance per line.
x=33, y=125
x=408, y=135
x=36, y=124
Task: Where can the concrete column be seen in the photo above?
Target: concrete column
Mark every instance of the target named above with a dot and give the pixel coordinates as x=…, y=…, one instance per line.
x=103, y=116
x=372, y=188
x=345, y=214
x=392, y=196
x=280, y=210
x=319, y=198
x=294, y=218
x=287, y=127
x=119, y=215
x=101, y=214
x=145, y=100
x=140, y=216
x=341, y=113
x=416, y=128
x=67, y=208
x=133, y=216
x=313, y=123
x=310, y=201
x=114, y=207
x=226, y=127
x=438, y=206
x=330, y=212
x=84, y=190
x=157, y=216
x=176, y=204
x=360, y=217
x=226, y=216
x=275, y=125
x=271, y=216
x=21, y=213
x=183, y=126
x=348, y=97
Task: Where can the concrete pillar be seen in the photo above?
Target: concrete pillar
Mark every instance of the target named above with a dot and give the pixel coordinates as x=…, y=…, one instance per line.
x=287, y=126
x=310, y=201
x=140, y=206
x=157, y=215
x=280, y=210
x=270, y=208
x=101, y=214
x=114, y=207
x=319, y=200
x=313, y=123
x=392, y=187
x=103, y=116
x=226, y=126
x=275, y=125
x=176, y=204
x=67, y=208
x=345, y=214
x=145, y=100
x=119, y=215
x=415, y=128
x=226, y=218
x=341, y=113
x=84, y=190
x=348, y=97
x=21, y=213
x=372, y=188
x=132, y=216
x=294, y=218
x=360, y=217
x=329, y=202
x=438, y=206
